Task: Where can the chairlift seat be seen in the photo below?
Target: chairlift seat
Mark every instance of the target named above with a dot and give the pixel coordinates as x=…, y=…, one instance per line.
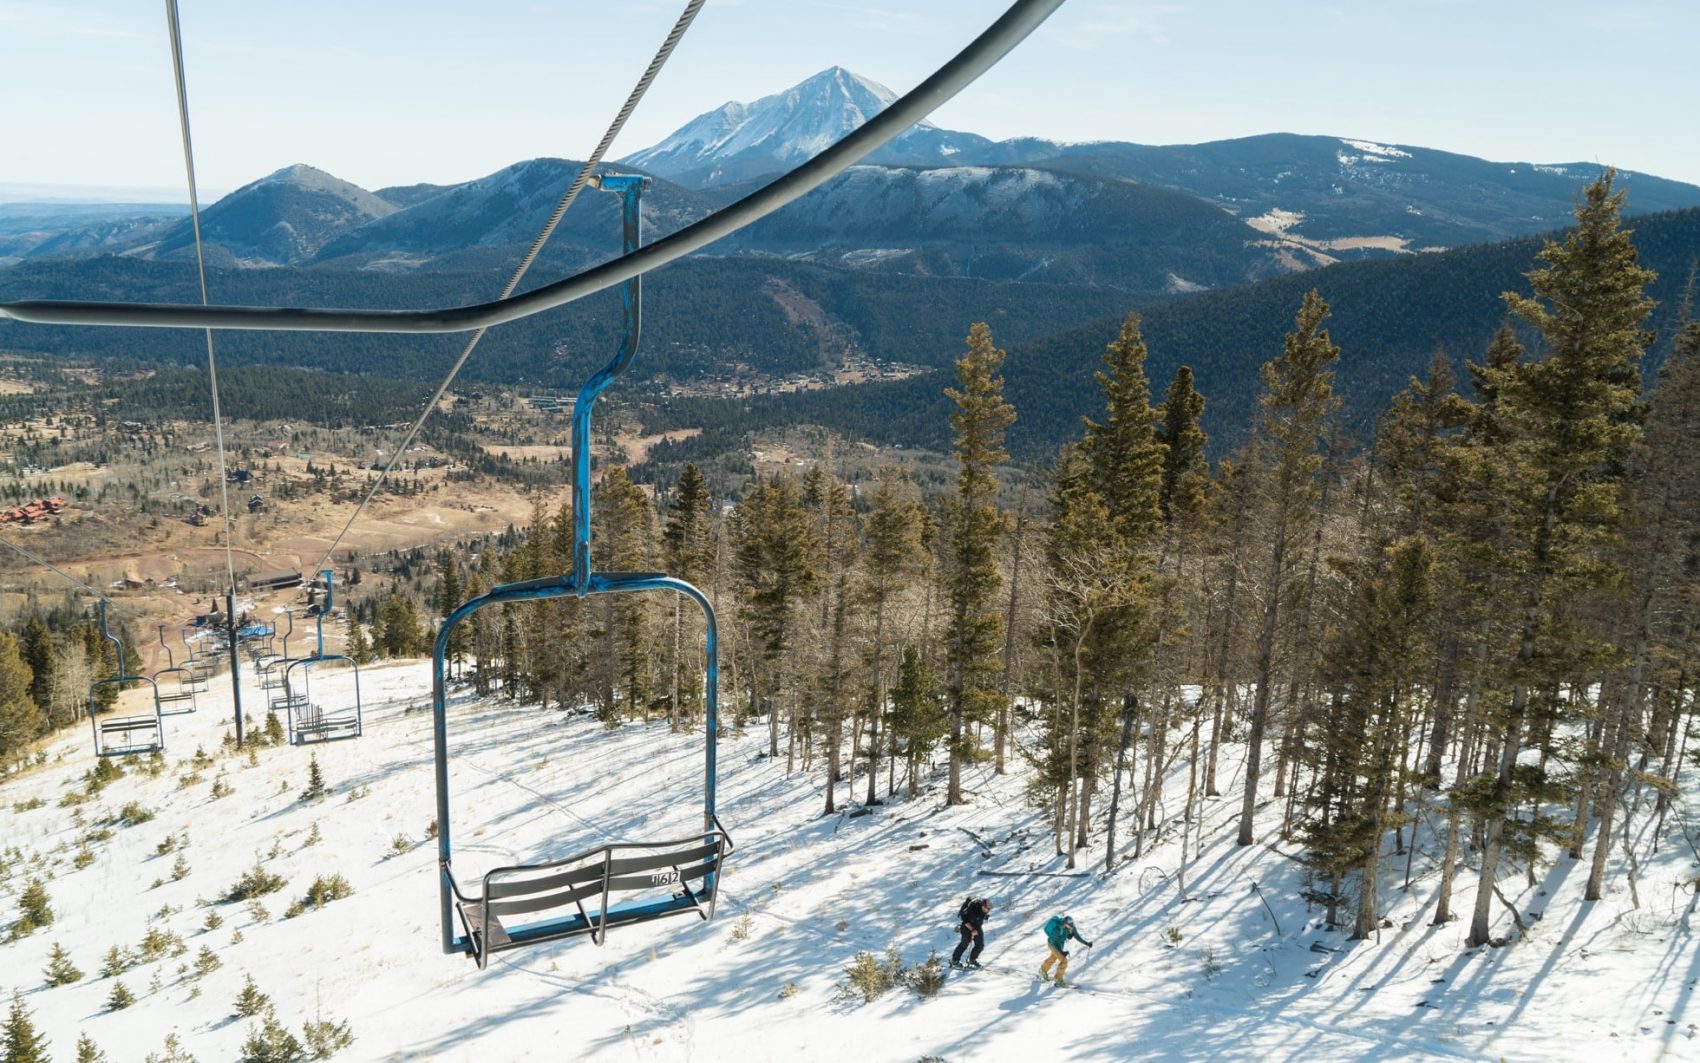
x=623, y=882
x=130, y=734
x=309, y=722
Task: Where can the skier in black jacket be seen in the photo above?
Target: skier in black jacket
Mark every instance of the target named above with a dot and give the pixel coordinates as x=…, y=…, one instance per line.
x=973, y=931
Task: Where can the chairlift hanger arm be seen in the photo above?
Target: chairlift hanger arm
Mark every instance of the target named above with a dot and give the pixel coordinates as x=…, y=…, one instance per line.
x=1021, y=19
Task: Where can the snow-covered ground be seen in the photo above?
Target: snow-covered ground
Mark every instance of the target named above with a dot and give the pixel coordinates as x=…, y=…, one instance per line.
x=1237, y=978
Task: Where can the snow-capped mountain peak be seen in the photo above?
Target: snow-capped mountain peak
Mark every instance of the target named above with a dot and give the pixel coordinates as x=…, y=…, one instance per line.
x=739, y=140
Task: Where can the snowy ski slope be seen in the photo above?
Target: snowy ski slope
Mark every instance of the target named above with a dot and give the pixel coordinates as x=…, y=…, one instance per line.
x=1237, y=980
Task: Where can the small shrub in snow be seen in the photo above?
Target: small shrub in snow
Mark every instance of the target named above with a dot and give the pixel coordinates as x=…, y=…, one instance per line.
x=842, y=925
x=357, y=793
x=325, y=1038
x=324, y=890
x=207, y=961
x=96, y=836
x=221, y=788
x=313, y=836
x=253, y=757
x=157, y=944
x=1211, y=963
x=400, y=845
x=927, y=978
x=120, y=997
x=274, y=729
x=88, y=1051
x=20, y=807
x=60, y=969
x=167, y=845
x=255, y=882
x=155, y=765
x=788, y=990
x=1172, y=937
x=270, y=1042
x=257, y=913
x=188, y=779
x=869, y=977
x=134, y=813
x=116, y=962
x=174, y=1052
x=180, y=869
x=212, y=922
x=250, y=1001
x=201, y=759
x=84, y=857
x=236, y=938
x=431, y=831
x=742, y=928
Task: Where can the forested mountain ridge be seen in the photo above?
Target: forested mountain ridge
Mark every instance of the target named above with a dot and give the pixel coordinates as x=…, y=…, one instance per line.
x=1388, y=316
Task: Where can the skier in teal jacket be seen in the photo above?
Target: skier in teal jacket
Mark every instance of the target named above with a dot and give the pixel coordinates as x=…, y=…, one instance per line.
x=1058, y=929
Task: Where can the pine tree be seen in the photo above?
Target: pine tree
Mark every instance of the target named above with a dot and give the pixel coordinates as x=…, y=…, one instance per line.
x=88, y=1051
x=60, y=969
x=1186, y=475
x=35, y=909
x=891, y=559
x=40, y=654
x=918, y=717
x=450, y=595
x=972, y=580
x=359, y=649
x=315, y=780
x=690, y=556
x=1298, y=397
x=120, y=996
x=1572, y=419
x=20, y=1041
x=21, y=722
x=775, y=552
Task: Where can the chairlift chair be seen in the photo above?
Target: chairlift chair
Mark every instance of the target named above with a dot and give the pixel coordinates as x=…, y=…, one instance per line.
x=310, y=721
x=119, y=736
x=179, y=698
x=615, y=884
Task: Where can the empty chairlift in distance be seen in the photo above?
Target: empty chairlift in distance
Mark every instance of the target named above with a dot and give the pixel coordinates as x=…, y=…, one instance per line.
x=311, y=720
x=177, y=696
x=273, y=671
x=609, y=885
x=119, y=736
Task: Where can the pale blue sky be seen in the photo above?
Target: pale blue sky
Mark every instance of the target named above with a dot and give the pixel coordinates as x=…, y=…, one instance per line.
x=397, y=92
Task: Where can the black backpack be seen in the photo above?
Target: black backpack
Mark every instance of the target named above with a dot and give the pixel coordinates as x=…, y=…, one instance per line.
x=962, y=912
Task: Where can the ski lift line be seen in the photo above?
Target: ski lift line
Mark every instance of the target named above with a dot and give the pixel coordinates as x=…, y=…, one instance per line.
x=176, y=34
x=566, y=201
x=1021, y=19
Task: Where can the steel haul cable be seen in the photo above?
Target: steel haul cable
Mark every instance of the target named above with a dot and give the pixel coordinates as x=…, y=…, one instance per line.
x=566, y=201
x=201, y=270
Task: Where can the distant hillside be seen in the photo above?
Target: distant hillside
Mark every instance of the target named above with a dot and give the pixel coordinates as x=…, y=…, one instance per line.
x=1388, y=317
x=700, y=316
x=281, y=219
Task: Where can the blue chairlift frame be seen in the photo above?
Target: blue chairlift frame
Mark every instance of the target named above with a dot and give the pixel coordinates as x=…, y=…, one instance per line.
x=556, y=883
x=122, y=736
x=185, y=689
x=308, y=723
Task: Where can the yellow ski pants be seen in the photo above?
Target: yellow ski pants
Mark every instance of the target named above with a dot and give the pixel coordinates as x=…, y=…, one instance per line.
x=1056, y=957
